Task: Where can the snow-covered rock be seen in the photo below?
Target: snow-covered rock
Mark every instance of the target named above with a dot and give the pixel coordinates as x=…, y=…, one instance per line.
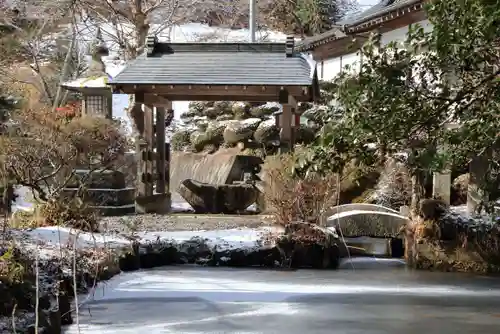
x=238, y=131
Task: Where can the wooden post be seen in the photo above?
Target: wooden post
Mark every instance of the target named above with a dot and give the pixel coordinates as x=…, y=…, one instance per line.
x=287, y=131
x=160, y=150
x=137, y=115
x=148, y=152
x=109, y=105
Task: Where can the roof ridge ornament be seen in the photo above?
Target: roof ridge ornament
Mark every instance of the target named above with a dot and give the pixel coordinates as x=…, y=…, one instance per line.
x=151, y=42
x=289, y=46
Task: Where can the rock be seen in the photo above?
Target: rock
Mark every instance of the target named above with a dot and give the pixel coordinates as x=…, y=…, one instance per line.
x=304, y=135
x=238, y=131
x=309, y=245
x=212, y=198
x=223, y=107
x=224, y=118
x=210, y=149
x=267, y=133
x=197, y=107
x=316, y=113
x=211, y=113
x=187, y=116
x=393, y=188
x=202, y=126
x=459, y=189
x=200, y=140
x=432, y=209
x=240, y=110
x=181, y=140
x=215, y=131
x=303, y=106
x=264, y=111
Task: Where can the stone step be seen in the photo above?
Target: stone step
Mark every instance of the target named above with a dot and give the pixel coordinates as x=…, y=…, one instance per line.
x=103, y=196
x=115, y=210
x=106, y=179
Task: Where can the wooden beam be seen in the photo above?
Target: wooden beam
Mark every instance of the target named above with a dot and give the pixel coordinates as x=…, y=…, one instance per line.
x=214, y=92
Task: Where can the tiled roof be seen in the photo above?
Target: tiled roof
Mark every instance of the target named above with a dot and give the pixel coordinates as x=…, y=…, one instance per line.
x=383, y=7
x=218, y=64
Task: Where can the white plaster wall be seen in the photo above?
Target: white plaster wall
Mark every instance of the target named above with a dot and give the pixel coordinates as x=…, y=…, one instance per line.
x=328, y=69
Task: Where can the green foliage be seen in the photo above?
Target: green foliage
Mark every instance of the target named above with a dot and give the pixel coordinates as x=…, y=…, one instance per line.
x=406, y=95
x=11, y=270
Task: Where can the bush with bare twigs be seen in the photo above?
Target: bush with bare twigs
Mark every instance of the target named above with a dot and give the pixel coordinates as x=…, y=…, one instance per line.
x=292, y=198
x=73, y=213
x=42, y=149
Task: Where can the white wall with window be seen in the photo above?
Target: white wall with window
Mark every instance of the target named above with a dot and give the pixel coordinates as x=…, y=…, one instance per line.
x=328, y=69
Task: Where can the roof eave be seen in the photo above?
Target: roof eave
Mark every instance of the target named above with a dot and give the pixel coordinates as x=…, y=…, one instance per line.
x=365, y=22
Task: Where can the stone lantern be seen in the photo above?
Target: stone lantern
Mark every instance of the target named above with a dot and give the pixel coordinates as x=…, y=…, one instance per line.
x=92, y=85
x=107, y=189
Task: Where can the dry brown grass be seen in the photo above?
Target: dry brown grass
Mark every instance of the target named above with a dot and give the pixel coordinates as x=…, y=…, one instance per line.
x=293, y=199
x=73, y=213
x=472, y=250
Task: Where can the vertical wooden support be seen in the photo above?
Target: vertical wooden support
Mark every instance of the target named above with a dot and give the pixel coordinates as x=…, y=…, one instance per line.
x=287, y=130
x=149, y=138
x=160, y=150
x=168, y=119
x=153, y=157
x=109, y=105
x=167, y=167
x=137, y=116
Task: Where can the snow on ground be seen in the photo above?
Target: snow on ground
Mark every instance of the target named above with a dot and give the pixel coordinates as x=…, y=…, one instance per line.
x=219, y=240
x=53, y=238
x=24, y=203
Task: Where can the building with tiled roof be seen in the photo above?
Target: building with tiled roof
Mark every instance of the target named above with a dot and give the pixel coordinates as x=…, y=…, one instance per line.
x=335, y=49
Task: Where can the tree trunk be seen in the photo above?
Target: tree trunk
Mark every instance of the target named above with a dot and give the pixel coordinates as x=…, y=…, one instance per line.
x=417, y=191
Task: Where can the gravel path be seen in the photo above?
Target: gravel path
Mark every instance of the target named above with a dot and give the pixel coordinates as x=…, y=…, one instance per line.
x=182, y=222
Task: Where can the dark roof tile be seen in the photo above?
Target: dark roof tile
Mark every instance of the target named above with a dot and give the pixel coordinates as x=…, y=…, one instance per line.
x=218, y=64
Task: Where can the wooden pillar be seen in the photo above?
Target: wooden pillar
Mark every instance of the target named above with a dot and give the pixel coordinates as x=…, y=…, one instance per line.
x=160, y=151
x=146, y=200
x=109, y=105
x=148, y=153
x=287, y=132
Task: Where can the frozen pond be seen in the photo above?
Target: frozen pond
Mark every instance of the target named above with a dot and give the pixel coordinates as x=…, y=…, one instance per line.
x=222, y=300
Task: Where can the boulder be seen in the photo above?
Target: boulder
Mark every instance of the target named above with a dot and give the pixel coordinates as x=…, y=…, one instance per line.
x=215, y=130
x=217, y=198
x=393, y=188
x=267, y=133
x=197, y=107
x=224, y=117
x=304, y=135
x=316, y=113
x=264, y=111
x=239, y=131
x=198, y=140
x=240, y=110
x=459, y=189
x=181, y=140
x=309, y=245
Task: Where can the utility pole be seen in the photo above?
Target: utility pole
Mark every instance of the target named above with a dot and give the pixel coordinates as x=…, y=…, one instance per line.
x=252, y=20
